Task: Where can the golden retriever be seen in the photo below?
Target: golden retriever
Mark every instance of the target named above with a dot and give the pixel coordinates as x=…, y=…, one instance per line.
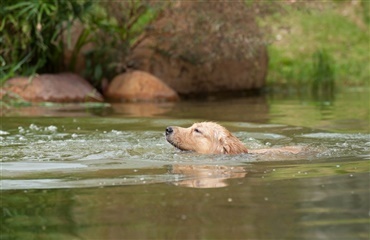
x=212, y=138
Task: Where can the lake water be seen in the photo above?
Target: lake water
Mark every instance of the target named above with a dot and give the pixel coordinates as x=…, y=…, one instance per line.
x=106, y=172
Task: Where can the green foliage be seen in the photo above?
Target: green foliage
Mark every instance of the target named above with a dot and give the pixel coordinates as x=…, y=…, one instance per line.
x=366, y=11
x=115, y=28
x=297, y=37
x=31, y=34
x=37, y=35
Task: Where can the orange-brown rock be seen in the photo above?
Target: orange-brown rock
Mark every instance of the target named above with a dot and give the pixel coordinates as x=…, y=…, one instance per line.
x=63, y=87
x=139, y=86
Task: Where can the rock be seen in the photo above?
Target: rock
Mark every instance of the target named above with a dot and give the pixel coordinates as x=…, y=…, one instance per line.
x=142, y=109
x=139, y=86
x=196, y=47
x=63, y=87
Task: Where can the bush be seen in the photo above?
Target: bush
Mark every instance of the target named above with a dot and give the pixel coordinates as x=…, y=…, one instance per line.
x=36, y=35
x=31, y=34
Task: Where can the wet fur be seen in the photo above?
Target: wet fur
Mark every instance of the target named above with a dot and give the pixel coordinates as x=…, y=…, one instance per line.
x=207, y=138
x=212, y=138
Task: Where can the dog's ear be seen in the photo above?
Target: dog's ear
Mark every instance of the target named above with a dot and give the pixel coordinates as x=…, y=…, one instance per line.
x=231, y=145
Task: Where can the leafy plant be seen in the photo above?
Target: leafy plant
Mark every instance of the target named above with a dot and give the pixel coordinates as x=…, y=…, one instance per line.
x=31, y=40
x=37, y=34
x=115, y=29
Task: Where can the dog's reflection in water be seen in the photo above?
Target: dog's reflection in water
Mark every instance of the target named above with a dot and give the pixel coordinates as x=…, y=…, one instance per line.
x=206, y=176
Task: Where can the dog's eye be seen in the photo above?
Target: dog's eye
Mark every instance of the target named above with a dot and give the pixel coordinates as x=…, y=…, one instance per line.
x=197, y=130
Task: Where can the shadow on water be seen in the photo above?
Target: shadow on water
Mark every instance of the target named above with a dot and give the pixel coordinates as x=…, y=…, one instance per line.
x=108, y=173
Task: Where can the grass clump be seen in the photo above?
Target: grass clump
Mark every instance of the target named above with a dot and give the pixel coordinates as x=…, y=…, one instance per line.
x=318, y=46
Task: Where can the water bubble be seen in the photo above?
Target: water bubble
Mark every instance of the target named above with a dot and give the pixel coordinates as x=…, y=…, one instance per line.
x=116, y=132
x=338, y=166
x=21, y=138
x=21, y=130
x=3, y=132
x=74, y=135
x=266, y=198
x=34, y=127
x=51, y=128
x=229, y=199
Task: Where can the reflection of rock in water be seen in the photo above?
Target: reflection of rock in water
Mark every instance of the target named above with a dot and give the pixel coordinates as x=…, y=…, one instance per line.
x=225, y=108
x=65, y=110
x=206, y=176
x=142, y=109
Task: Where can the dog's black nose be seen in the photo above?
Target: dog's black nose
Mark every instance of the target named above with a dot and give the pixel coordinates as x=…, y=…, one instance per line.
x=169, y=130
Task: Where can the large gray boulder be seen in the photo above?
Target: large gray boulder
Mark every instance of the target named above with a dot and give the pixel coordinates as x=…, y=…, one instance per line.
x=198, y=47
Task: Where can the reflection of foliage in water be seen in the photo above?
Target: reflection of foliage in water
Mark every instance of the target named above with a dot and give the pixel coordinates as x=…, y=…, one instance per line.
x=22, y=219
x=323, y=84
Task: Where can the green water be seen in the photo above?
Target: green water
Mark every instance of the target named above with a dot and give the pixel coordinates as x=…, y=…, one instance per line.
x=106, y=172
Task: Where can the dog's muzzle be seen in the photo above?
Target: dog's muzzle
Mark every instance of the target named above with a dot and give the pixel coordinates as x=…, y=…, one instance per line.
x=169, y=130
x=169, y=136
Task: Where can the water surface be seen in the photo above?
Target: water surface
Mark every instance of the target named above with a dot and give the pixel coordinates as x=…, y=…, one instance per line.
x=92, y=172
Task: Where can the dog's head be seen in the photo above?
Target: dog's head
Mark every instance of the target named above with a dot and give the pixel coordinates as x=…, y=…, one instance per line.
x=205, y=137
